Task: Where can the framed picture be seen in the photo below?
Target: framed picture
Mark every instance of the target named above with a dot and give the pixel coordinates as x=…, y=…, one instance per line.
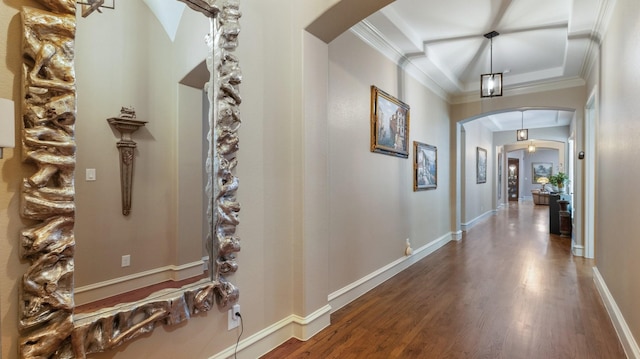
x=389, y=124
x=499, y=175
x=540, y=169
x=425, y=166
x=481, y=165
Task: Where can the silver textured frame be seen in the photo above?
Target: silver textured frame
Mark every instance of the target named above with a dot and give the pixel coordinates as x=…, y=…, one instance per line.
x=48, y=326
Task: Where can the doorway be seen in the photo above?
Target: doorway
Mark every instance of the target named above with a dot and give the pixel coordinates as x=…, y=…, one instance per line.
x=513, y=184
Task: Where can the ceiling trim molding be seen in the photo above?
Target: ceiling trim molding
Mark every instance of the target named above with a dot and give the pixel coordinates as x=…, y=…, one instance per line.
x=590, y=58
x=599, y=31
x=371, y=36
x=523, y=89
x=604, y=17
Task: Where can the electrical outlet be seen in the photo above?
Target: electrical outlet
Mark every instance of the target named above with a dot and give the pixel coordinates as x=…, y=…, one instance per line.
x=234, y=320
x=205, y=263
x=126, y=260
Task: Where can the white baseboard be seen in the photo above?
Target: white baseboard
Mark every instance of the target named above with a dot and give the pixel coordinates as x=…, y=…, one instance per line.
x=577, y=250
x=468, y=225
x=349, y=293
x=624, y=333
x=101, y=290
x=304, y=328
x=292, y=326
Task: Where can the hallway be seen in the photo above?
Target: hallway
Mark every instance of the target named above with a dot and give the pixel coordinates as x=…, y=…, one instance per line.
x=508, y=290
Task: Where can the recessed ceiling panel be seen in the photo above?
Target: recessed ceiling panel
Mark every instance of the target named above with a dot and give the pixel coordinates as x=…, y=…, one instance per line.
x=513, y=120
x=445, y=39
x=529, y=51
x=455, y=56
x=444, y=19
x=534, y=13
x=521, y=53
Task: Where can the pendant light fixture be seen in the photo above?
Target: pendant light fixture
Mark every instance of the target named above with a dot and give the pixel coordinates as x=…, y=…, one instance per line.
x=522, y=134
x=491, y=83
x=532, y=147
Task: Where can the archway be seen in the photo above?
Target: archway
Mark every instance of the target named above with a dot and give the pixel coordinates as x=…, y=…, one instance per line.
x=572, y=99
x=311, y=105
x=548, y=131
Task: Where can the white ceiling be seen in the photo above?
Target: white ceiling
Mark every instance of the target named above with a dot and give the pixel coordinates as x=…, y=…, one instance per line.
x=530, y=118
x=540, y=42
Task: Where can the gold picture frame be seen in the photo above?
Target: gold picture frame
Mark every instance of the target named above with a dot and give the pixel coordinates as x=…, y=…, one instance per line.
x=389, y=124
x=425, y=166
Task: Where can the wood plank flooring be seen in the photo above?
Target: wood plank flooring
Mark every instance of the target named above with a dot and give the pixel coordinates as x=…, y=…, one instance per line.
x=508, y=290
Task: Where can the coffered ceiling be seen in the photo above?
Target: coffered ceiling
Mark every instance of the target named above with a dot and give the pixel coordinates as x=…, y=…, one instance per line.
x=542, y=43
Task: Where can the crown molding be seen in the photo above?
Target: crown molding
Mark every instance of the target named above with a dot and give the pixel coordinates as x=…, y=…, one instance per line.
x=517, y=90
x=599, y=31
x=604, y=17
x=374, y=38
x=371, y=36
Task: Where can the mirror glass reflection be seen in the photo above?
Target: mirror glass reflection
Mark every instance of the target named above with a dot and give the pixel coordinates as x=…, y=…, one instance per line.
x=134, y=56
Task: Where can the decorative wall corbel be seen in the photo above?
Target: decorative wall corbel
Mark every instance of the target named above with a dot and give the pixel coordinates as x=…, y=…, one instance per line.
x=126, y=124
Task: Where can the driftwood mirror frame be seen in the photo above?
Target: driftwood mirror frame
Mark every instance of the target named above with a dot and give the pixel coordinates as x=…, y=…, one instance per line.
x=48, y=326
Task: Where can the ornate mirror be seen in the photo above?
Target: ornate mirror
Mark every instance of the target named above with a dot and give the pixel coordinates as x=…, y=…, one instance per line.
x=48, y=325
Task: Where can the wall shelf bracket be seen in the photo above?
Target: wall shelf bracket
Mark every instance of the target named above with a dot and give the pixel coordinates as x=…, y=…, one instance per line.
x=126, y=124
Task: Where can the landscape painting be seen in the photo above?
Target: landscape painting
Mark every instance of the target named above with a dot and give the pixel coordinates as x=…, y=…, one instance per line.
x=541, y=169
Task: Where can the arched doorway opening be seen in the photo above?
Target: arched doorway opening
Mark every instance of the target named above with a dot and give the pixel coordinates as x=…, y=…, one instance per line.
x=505, y=143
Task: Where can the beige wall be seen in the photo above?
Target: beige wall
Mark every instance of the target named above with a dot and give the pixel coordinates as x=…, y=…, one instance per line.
x=373, y=208
x=272, y=169
x=137, y=65
x=280, y=232
x=281, y=236
x=478, y=197
x=119, y=73
x=618, y=202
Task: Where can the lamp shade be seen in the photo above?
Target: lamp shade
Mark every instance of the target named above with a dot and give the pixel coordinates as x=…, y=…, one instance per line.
x=7, y=124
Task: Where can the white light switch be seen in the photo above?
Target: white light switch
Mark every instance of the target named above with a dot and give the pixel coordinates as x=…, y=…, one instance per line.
x=91, y=174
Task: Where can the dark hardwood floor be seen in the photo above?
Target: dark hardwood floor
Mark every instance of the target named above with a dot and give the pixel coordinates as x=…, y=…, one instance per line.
x=508, y=290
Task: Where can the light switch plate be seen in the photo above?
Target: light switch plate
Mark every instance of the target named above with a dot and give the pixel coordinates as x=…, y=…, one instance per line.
x=91, y=174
